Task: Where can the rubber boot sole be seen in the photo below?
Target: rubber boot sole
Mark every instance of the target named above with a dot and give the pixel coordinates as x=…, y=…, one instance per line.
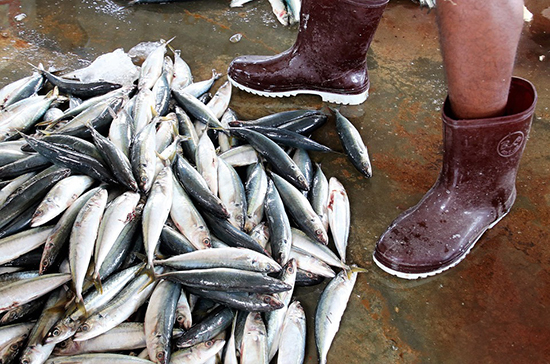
x=325, y=96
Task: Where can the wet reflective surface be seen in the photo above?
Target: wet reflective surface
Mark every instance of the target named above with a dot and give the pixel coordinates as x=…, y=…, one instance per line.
x=492, y=307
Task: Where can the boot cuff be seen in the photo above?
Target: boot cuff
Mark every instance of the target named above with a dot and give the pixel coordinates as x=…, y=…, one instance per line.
x=522, y=99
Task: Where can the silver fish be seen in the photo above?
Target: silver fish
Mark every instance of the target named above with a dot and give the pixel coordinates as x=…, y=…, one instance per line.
x=20, y=292
x=293, y=7
x=60, y=197
x=182, y=72
x=319, y=195
x=240, y=156
x=36, y=351
x=197, y=109
x=121, y=131
x=143, y=157
x=166, y=132
x=238, y=258
x=254, y=342
x=156, y=211
x=14, y=185
x=98, y=358
x=220, y=101
x=207, y=162
x=144, y=108
x=187, y=218
x=256, y=189
x=279, y=225
x=159, y=320
x=230, y=356
x=119, y=309
x=12, y=87
x=301, y=210
x=83, y=237
x=184, y=318
x=61, y=231
x=196, y=89
x=126, y=336
x=275, y=319
x=306, y=245
x=197, y=354
x=190, y=139
x=232, y=194
x=225, y=141
x=339, y=216
x=13, y=246
x=9, y=332
x=151, y=69
x=116, y=216
x=353, y=144
x=311, y=264
x=330, y=309
x=292, y=345
x=26, y=116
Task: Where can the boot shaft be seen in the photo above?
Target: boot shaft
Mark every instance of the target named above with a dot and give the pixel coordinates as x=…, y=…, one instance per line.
x=485, y=153
x=338, y=33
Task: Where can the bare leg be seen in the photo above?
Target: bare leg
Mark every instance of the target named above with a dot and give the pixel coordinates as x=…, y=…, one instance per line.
x=479, y=41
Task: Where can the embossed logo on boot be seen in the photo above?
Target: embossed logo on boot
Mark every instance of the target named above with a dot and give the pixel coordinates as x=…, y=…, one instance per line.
x=510, y=144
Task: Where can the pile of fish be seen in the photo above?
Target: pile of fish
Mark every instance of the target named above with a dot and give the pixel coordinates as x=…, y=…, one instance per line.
x=145, y=223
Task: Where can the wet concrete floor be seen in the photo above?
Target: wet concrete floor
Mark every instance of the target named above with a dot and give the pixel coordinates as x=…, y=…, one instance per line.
x=492, y=307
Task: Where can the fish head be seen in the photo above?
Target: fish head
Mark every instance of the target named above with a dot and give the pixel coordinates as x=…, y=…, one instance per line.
x=62, y=331
x=272, y=301
x=67, y=347
x=32, y=354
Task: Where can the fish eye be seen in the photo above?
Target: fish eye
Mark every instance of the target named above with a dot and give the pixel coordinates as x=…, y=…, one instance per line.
x=209, y=343
x=160, y=356
x=85, y=327
x=267, y=299
x=56, y=332
x=14, y=347
x=179, y=318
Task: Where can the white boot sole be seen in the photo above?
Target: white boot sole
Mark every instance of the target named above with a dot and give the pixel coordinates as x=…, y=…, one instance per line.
x=325, y=96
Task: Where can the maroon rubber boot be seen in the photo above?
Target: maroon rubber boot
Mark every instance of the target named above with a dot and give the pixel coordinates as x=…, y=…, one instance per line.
x=475, y=189
x=328, y=58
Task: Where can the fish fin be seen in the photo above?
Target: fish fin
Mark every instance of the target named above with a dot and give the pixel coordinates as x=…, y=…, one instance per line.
x=141, y=256
x=39, y=68
x=165, y=161
x=97, y=283
x=80, y=305
x=354, y=269
x=166, y=42
x=153, y=111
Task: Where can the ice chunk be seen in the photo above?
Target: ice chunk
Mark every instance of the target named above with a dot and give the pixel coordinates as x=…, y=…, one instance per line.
x=116, y=67
x=140, y=51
